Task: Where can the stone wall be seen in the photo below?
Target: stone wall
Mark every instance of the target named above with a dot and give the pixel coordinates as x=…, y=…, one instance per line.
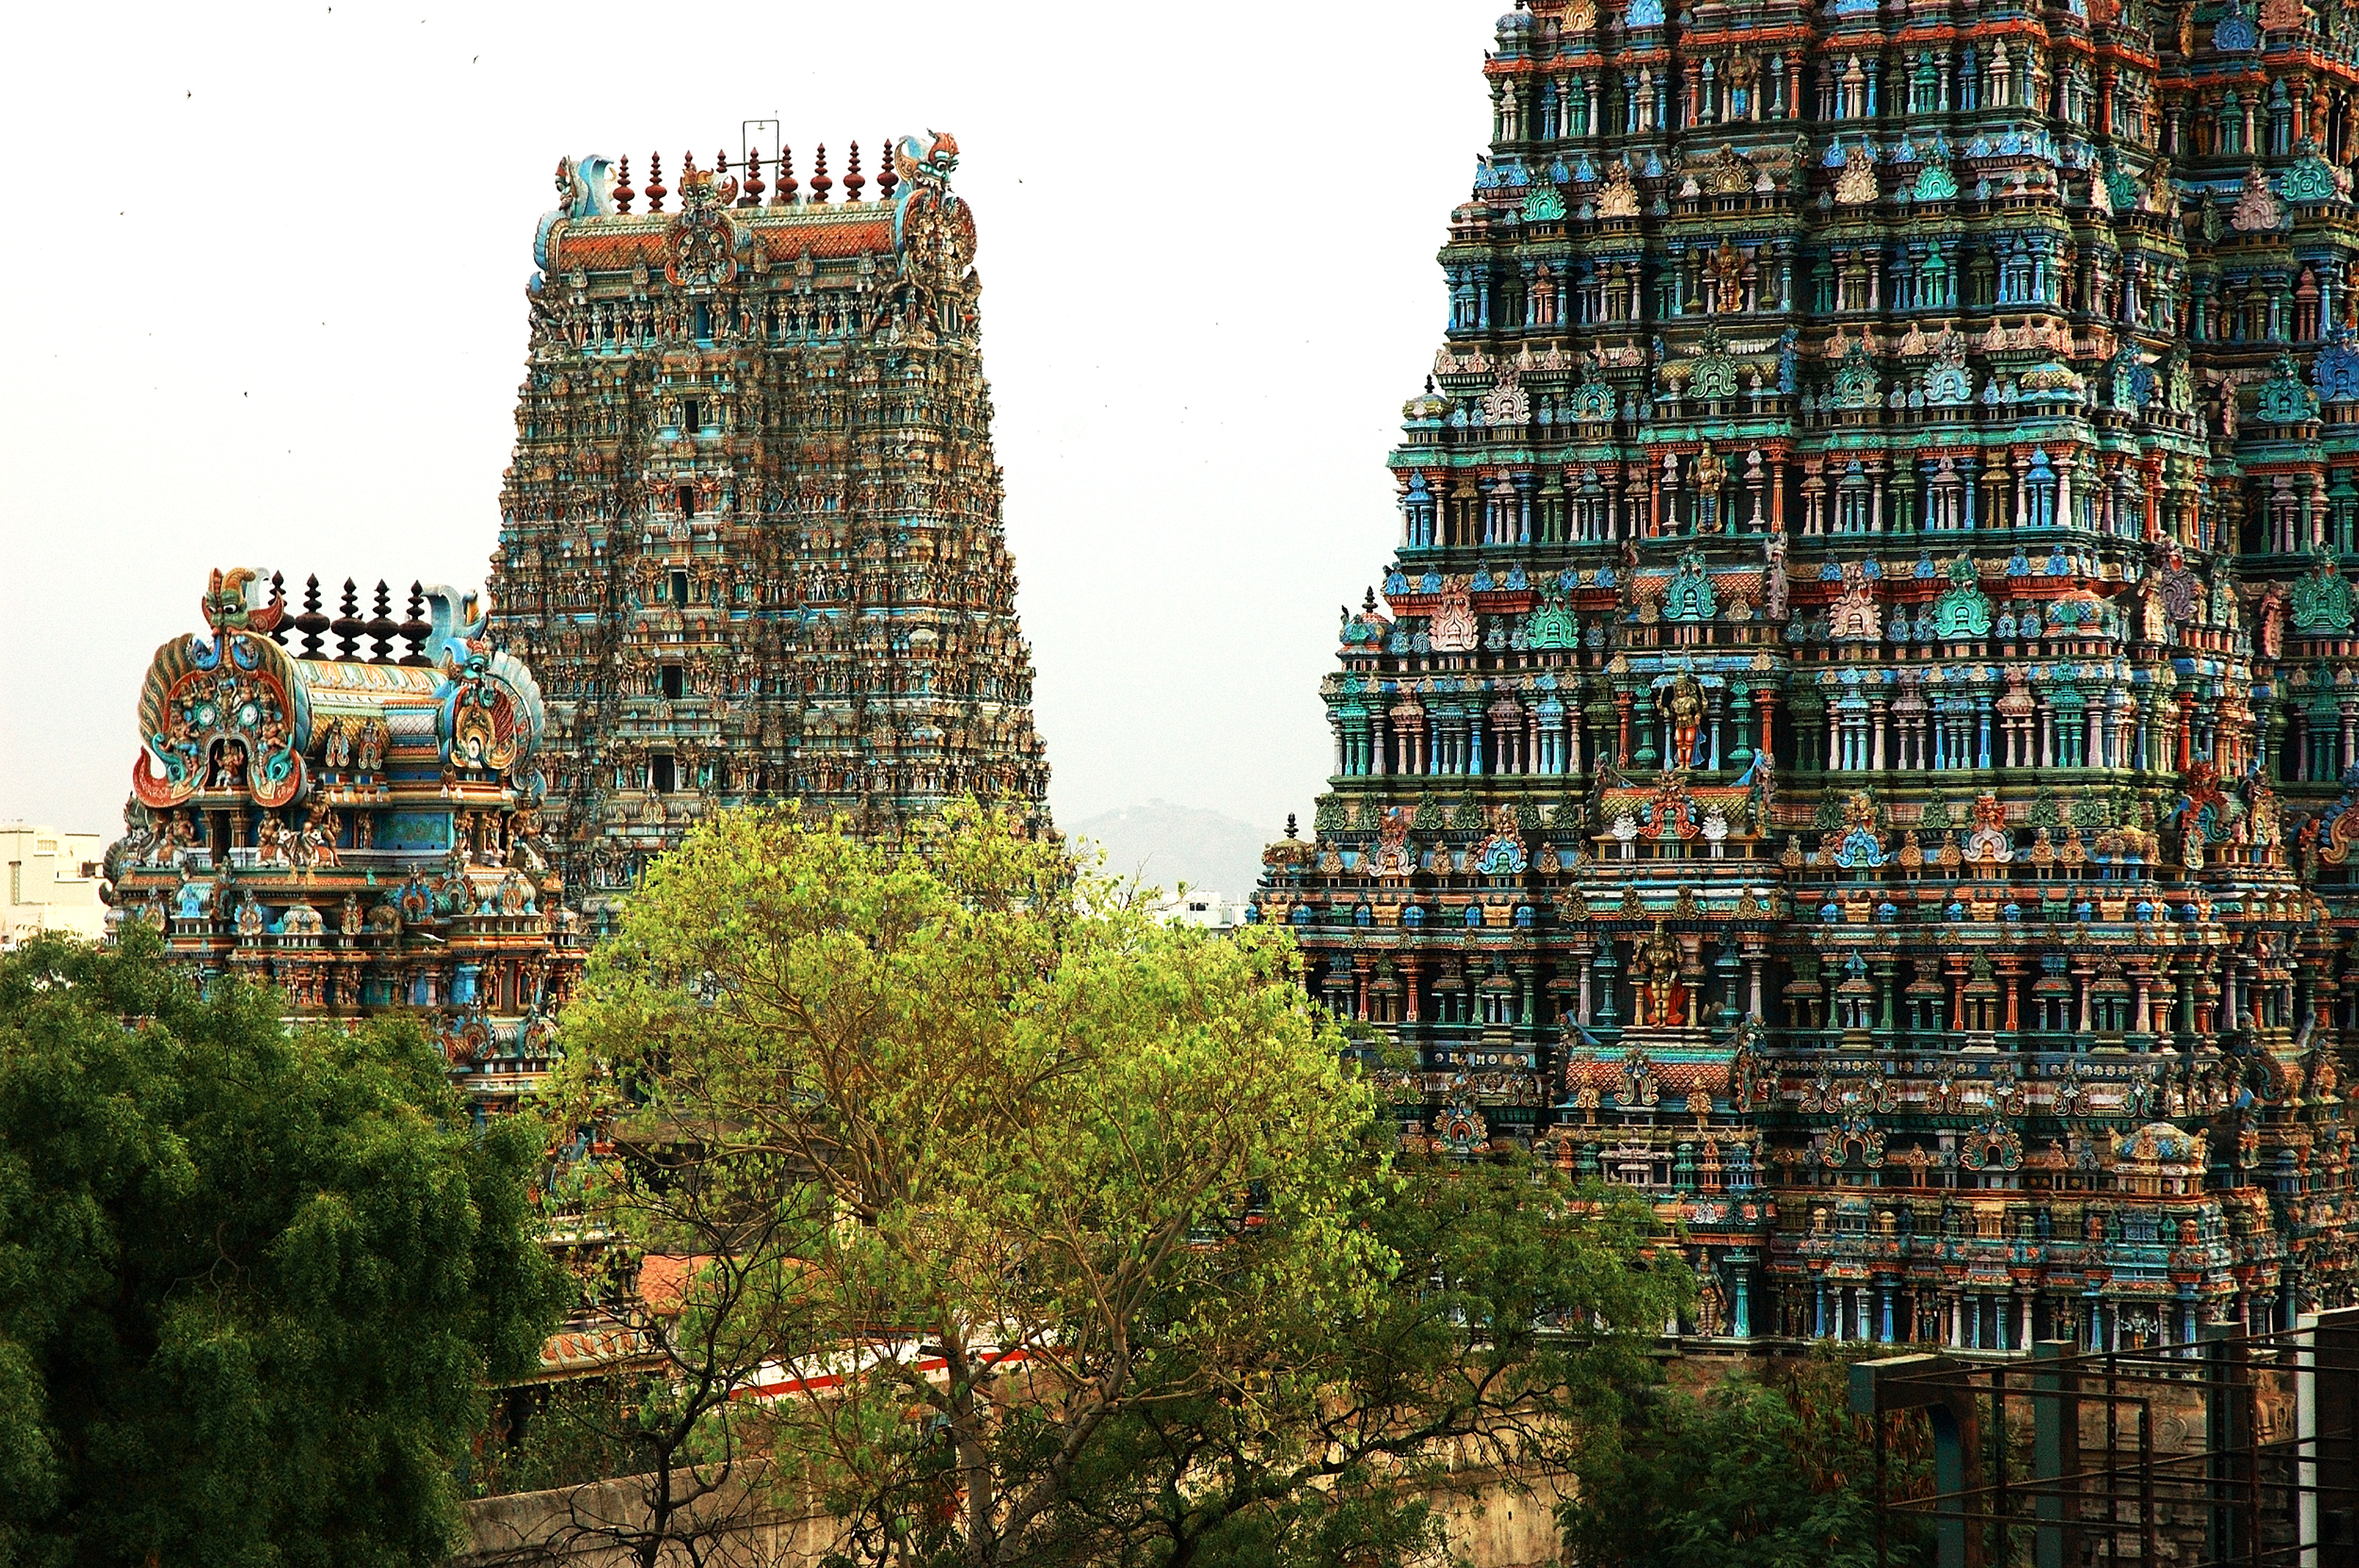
x=1491, y=1525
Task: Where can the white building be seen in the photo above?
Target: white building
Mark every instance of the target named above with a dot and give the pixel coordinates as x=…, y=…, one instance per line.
x=53, y=883
x=1209, y=910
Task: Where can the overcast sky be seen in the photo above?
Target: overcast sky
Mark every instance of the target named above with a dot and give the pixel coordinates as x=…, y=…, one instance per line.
x=265, y=266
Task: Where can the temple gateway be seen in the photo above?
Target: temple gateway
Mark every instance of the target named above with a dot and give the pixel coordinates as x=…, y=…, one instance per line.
x=752, y=540
x=1857, y=738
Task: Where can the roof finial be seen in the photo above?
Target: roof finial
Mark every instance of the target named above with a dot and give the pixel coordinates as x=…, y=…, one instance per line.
x=624, y=194
x=1367, y=605
x=382, y=627
x=750, y=192
x=416, y=628
x=278, y=609
x=311, y=622
x=656, y=192
x=785, y=195
x=1290, y=824
x=349, y=625
x=887, y=177
x=820, y=183
x=852, y=180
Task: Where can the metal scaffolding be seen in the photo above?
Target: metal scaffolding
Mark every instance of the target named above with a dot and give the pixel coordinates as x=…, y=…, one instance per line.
x=2233, y=1449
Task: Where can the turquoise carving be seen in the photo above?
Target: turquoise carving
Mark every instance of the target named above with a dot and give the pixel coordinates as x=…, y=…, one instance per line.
x=1715, y=375
x=2324, y=601
x=2336, y=373
x=1935, y=183
x=2134, y=378
x=1593, y=400
x=1689, y=597
x=2311, y=178
x=2283, y=397
x=1855, y=382
x=1551, y=625
x=1543, y=207
x=1963, y=609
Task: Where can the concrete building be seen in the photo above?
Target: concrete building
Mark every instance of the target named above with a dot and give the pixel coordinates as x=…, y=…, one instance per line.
x=53, y=883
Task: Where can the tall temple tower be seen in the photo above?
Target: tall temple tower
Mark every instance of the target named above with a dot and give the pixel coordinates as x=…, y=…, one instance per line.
x=751, y=538
x=1859, y=737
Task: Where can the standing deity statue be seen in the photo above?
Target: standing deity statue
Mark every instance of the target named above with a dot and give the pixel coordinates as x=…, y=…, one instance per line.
x=1774, y=587
x=1709, y=474
x=1683, y=703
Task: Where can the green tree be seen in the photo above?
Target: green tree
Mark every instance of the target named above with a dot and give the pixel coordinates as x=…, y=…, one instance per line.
x=1519, y=1310
x=1762, y=1471
x=1077, y=1215
x=252, y=1282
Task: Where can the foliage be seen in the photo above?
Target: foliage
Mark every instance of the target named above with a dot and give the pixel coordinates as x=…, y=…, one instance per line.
x=251, y=1282
x=1518, y=1309
x=563, y=1434
x=1763, y=1470
x=1075, y=1214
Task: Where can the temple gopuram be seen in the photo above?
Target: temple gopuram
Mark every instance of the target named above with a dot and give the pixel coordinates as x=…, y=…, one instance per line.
x=752, y=540
x=360, y=830
x=1859, y=733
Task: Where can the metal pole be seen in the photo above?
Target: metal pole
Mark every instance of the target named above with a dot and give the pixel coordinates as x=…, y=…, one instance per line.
x=2053, y=1414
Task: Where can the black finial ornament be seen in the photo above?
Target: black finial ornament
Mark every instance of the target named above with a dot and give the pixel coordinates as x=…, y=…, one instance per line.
x=1290, y=824
x=312, y=623
x=415, y=629
x=349, y=625
x=382, y=627
x=1367, y=605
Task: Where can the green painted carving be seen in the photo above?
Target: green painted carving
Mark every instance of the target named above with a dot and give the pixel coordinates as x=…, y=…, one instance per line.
x=2311, y=178
x=1855, y=382
x=1689, y=597
x=1543, y=207
x=1964, y=609
x=1551, y=625
x=2285, y=397
x=2324, y=601
x=1715, y=375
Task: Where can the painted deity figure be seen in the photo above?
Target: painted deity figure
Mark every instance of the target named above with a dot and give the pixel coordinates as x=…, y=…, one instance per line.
x=1657, y=970
x=1856, y=617
x=228, y=770
x=2272, y=619
x=1709, y=474
x=1394, y=860
x=1773, y=584
x=270, y=840
x=1683, y=704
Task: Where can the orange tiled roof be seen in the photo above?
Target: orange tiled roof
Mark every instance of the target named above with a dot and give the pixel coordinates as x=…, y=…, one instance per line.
x=615, y=245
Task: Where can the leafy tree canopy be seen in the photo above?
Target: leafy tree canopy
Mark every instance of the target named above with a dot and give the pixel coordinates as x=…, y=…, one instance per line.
x=252, y=1281
x=1767, y=1469
x=1076, y=1219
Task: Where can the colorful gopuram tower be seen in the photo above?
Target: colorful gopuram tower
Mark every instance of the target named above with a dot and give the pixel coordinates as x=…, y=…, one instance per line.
x=360, y=829
x=1858, y=739
x=752, y=537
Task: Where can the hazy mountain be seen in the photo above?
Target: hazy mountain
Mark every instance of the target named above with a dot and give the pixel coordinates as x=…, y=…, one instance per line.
x=1167, y=844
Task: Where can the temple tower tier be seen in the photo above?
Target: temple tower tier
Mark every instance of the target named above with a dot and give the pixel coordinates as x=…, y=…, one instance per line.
x=1858, y=733
x=751, y=535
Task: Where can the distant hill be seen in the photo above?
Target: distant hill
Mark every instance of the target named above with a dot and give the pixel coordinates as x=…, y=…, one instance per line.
x=1165, y=844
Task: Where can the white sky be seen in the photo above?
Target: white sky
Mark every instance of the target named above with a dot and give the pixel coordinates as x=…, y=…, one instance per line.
x=266, y=265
